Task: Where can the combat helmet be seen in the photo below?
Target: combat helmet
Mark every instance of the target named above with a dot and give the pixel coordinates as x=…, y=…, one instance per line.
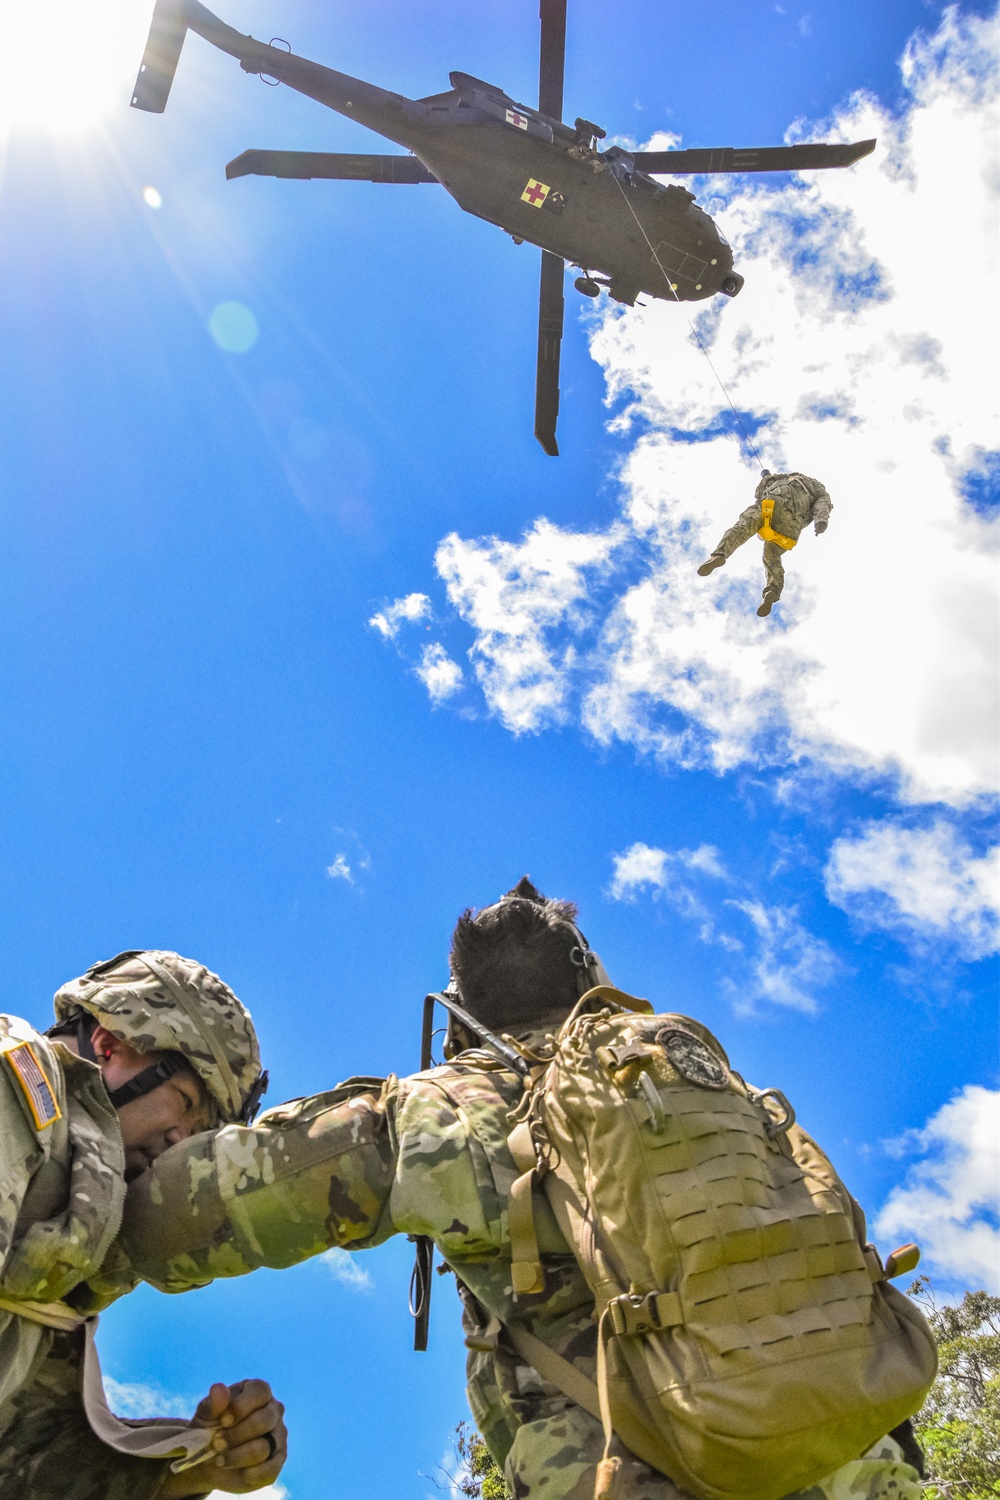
x=158, y=1001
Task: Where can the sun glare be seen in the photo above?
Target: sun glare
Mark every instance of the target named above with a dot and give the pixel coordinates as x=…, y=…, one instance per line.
x=69, y=63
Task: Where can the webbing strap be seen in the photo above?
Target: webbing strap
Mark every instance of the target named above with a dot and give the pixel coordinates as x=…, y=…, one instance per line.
x=768, y=534
x=556, y=1370
x=526, y=1272
x=58, y=1315
x=171, y=1439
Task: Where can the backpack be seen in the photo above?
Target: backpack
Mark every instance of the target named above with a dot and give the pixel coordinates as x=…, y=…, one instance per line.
x=749, y=1342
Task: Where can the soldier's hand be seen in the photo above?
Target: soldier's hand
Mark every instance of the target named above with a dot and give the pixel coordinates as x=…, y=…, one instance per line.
x=249, y=1448
x=819, y=527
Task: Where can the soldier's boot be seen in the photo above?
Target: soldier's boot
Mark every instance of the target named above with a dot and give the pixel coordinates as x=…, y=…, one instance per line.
x=716, y=560
x=771, y=597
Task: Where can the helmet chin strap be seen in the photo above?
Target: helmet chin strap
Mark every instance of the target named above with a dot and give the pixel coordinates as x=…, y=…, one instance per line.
x=149, y=1079
x=81, y=1029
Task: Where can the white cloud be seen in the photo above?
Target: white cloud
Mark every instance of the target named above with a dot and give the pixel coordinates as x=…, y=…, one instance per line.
x=340, y=869
x=781, y=963
x=949, y=1201
x=439, y=674
x=517, y=596
x=347, y=1269
x=662, y=873
x=642, y=866
x=790, y=962
x=922, y=883
x=862, y=343
x=639, y=866
x=135, y=1400
x=405, y=611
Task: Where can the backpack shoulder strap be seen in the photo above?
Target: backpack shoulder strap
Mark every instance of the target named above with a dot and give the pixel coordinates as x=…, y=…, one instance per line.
x=558, y=1371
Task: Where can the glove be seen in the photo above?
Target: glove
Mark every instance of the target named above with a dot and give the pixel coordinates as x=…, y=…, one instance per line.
x=820, y=527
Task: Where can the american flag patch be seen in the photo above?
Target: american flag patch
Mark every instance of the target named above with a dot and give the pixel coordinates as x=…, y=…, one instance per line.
x=35, y=1085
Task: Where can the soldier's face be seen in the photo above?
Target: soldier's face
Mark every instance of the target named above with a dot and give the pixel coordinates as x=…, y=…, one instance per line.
x=167, y=1114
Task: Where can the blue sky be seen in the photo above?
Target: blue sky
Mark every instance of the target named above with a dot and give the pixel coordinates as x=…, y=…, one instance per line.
x=222, y=731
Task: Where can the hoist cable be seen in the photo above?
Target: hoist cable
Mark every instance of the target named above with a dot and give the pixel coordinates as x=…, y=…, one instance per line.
x=673, y=293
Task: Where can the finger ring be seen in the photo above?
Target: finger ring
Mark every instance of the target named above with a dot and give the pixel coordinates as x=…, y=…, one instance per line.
x=272, y=1445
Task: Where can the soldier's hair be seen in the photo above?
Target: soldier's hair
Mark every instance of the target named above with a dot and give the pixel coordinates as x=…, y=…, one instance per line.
x=511, y=961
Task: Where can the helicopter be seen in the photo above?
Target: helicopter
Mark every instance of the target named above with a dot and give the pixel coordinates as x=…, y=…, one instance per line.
x=542, y=181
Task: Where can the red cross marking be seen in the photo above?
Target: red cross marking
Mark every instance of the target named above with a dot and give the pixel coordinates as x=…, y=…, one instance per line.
x=534, y=193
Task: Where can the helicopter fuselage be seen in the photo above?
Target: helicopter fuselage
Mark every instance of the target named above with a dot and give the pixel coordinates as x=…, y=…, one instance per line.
x=535, y=177
x=589, y=207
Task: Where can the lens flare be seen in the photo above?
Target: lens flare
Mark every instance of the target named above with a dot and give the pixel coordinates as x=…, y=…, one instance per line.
x=233, y=327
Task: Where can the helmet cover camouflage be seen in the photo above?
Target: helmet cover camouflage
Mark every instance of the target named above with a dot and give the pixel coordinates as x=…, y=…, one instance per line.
x=158, y=1001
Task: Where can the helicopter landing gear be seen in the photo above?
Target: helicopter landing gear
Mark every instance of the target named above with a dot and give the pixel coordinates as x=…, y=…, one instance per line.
x=731, y=285
x=588, y=286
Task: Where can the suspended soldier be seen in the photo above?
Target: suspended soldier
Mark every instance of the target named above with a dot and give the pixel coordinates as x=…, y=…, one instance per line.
x=784, y=504
x=435, y=1155
x=147, y=1049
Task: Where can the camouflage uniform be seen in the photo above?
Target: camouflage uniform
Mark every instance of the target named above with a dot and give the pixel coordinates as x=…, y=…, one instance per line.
x=797, y=501
x=62, y=1190
x=423, y=1156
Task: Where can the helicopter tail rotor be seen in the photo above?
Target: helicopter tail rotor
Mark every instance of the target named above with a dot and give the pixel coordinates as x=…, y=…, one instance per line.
x=167, y=31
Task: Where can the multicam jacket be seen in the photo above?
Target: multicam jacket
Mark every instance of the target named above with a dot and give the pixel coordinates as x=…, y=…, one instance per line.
x=797, y=501
x=426, y=1155
x=62, y=1188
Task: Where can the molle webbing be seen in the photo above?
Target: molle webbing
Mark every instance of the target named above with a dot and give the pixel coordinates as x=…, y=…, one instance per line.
x=748, y=1342
x=767, y=532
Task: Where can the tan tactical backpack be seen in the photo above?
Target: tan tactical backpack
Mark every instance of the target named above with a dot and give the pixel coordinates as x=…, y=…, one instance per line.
x=749, y=1342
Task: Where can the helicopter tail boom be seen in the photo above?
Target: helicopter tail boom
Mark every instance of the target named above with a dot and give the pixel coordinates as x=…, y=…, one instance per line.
x=172, y=20
x=377, y=108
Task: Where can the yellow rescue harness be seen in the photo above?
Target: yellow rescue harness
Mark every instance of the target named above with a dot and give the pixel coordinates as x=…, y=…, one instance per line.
x=768, y=533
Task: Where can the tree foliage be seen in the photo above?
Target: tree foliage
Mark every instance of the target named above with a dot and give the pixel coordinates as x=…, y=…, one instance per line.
x=477, y=1476
x=959, y=1425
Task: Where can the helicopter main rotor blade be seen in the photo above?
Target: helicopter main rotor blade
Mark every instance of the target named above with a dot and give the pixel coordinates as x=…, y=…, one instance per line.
x=552, y=58
x=308, y=164
x=550, y=328
x=751, y=158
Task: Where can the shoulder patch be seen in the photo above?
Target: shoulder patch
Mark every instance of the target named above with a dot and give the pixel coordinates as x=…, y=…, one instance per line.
x=694, y=1059
x=34, y=1084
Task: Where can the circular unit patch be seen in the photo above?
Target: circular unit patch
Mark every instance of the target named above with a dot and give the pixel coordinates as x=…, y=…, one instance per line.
x=694, y=1059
